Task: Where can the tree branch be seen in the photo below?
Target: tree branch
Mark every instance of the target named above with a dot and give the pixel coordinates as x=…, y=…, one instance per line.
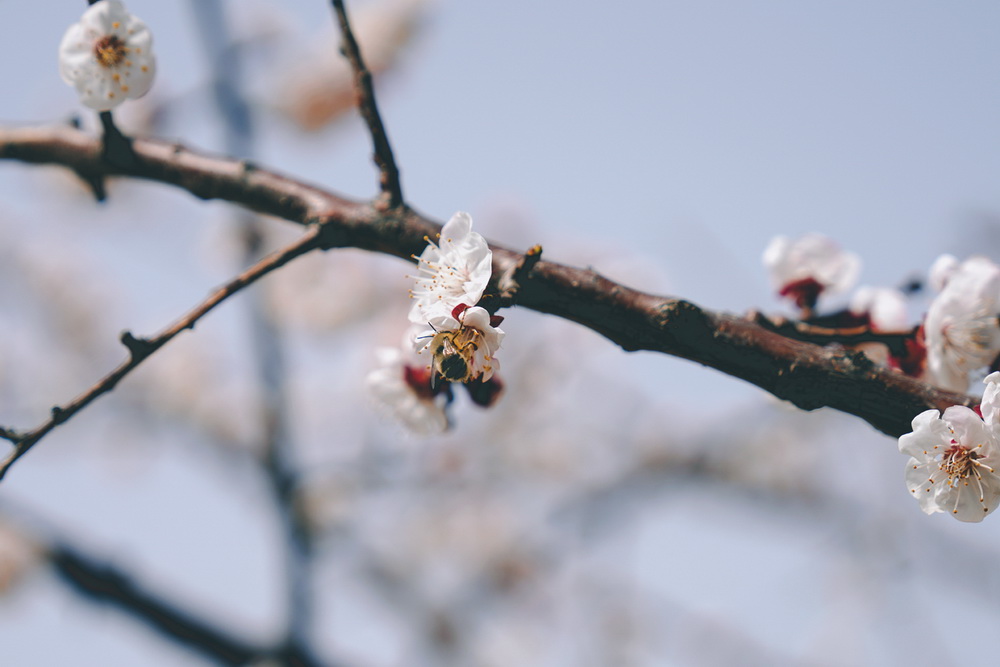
x=805, y=374
x=141, y=349
x=105, y=583
x=389, y=174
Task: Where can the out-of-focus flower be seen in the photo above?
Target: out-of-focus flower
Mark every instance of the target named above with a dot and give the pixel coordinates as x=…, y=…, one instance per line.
x=18, y=553
x=462, y=344
x=953, y=463
x=804, y=268
x=961, y=328
x=107, y=56
x=319, y=94
x=885, y=308
x=941, y=270
x=451, y=273
x=405, y=387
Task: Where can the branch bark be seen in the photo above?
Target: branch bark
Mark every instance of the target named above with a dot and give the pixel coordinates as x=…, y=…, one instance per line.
x=805, y=374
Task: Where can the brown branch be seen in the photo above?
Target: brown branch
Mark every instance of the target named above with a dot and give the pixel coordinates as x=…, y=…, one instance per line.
x=392, y=191
x=805, y=374
x=141, y=349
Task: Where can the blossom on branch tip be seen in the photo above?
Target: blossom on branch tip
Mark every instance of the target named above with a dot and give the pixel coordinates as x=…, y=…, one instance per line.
x=462, y=344
x=107, y=56
x=453, y=272
x=962, y=329
x=405, y=387
x=954, y=463
x=803, y=268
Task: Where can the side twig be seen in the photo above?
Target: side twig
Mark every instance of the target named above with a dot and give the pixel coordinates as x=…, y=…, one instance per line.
x=392, y=192
x=141, y=349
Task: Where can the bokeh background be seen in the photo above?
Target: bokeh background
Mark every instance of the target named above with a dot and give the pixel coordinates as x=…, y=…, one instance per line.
x=613, y=509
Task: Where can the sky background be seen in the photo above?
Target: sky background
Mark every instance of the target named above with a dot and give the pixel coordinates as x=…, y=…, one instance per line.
x=662, y=143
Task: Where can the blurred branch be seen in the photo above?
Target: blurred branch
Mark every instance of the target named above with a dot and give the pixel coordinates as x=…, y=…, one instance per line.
x=807, y=375
x=389, y=174
x=141, y=349
x=103, y=582
x=277, y=461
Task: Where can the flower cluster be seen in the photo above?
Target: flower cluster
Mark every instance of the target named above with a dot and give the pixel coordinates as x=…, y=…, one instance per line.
x=961, y=329
x=107, y=56
x=958, y=337
x=954, y=464
x=451, y=339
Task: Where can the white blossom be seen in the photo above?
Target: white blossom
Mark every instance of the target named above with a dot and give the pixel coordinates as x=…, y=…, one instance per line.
x=453, y=272
x=107, y=56
x=961, y=329
x=803, y=268
x=885, y=307
x=941, y=270
x=462, y=345
x=990, y=406
x=953, y=463
x=403, y=386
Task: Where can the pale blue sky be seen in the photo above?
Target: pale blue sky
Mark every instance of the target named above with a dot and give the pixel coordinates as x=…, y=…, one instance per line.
x=663, y=142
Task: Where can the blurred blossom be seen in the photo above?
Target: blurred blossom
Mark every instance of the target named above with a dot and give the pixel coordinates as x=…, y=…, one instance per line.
x=319, y=293
x=18, y=554
x=954, y=463
x=885, y=307
x=315, y=95
x=804, y=268
x=961, y=329
x=191, y=381
x=447, y=540
x=941, y=270
x=107, y=56
x=403, y=386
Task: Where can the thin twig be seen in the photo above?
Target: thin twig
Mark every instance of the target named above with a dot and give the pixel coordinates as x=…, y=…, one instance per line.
x=141, y=349
x=392, y=191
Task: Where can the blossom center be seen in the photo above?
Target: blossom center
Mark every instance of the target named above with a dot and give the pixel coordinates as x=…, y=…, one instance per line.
x=110, y=51
x=958, y=462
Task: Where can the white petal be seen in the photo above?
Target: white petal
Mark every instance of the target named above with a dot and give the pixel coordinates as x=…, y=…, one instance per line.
x=941, y=270
x=919, y=485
